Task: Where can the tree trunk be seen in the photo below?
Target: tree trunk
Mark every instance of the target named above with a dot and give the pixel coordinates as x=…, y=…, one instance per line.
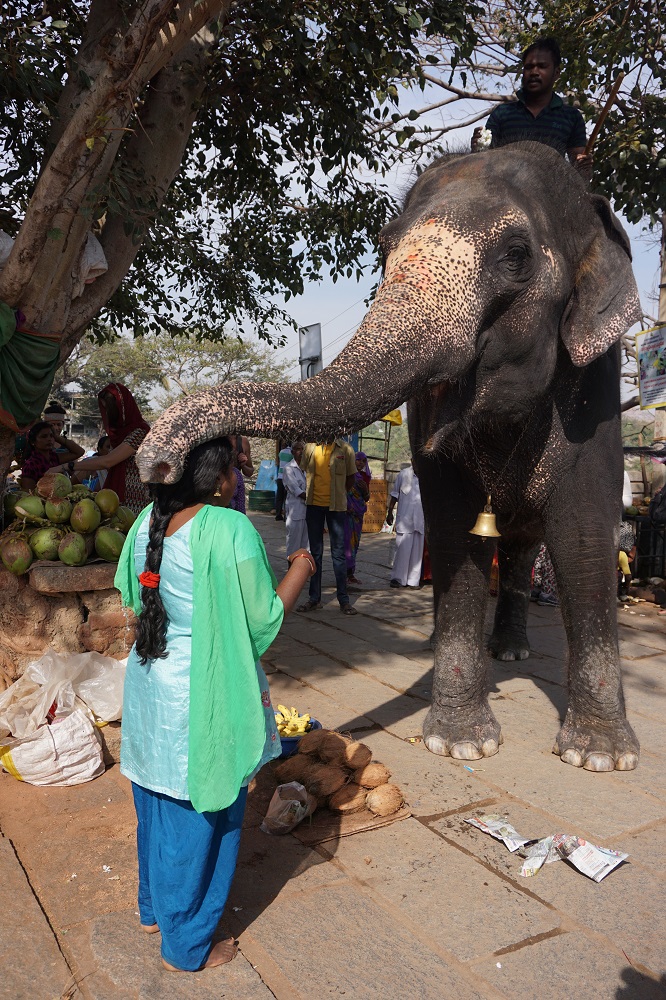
x=162, y=41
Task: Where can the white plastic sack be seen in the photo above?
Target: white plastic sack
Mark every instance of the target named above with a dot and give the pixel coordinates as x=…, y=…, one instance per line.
x=57, y=679
x=67, y=752
x=290, y=804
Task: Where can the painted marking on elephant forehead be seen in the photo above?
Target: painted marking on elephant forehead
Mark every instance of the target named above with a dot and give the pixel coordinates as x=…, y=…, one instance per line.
x=434, y=250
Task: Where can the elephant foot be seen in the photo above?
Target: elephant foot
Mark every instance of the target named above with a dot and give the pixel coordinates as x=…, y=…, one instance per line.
x=597, y=746
x=469, y=738
x=507, y=646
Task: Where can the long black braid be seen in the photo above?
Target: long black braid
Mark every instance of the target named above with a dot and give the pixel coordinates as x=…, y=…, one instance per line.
x=203, y=467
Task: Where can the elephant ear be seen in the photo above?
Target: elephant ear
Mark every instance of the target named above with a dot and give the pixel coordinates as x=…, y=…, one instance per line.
x=605, y=302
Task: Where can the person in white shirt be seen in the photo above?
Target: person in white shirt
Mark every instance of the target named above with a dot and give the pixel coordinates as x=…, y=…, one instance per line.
x=409, y=528
x=293, y=479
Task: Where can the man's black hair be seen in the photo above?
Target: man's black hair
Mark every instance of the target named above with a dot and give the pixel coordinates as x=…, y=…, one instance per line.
x=546, y=44
x=55, y=407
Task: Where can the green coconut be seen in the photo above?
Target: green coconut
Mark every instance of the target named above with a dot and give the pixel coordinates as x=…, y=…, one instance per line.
x=109, y=544
x=54, y=485
x=10, y=500
x=29, y=506
x=45, y=541
x=85, y=516
x=632, y=510
x=58, y=511
x=123, y=519
x=108, y=502
x=16, y=555
x=72, y=549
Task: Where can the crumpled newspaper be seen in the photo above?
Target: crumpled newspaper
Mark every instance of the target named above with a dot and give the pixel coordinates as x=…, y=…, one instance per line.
x=497, y=827
x=595, y=862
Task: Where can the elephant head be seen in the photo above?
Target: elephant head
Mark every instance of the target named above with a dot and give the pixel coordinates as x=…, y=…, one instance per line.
x=499, y=263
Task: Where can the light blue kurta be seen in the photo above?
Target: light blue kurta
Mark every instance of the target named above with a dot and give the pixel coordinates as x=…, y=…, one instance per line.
x=154, y=750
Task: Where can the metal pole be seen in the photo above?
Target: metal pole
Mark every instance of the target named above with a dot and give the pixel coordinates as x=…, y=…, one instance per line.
x=660, y=414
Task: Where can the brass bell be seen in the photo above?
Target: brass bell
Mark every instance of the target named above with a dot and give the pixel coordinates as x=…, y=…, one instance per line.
x=486, y=526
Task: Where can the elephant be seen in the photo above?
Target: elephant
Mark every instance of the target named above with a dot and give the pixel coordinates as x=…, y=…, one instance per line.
x=506, y=288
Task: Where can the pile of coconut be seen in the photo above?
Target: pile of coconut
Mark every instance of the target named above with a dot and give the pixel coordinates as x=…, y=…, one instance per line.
x=341, y=774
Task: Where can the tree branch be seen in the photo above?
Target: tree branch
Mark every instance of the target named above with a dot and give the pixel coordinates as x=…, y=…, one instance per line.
x=472, y=95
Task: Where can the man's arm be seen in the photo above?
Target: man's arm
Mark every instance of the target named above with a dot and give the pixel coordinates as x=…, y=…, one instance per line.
x=576, y=147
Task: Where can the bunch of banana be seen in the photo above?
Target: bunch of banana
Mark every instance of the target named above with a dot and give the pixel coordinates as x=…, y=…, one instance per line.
x=290, y=723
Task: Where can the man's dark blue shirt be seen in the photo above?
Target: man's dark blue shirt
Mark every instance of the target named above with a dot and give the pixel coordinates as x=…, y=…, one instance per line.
x=559, y=125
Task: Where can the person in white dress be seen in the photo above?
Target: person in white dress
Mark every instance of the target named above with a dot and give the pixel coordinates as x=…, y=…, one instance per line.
x=409, y=529
x=293, y=479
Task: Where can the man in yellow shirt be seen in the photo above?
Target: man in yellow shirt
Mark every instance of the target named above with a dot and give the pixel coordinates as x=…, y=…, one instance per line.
x=329, y=471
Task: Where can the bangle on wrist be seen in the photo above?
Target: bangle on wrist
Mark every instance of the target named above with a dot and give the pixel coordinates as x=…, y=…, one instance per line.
x=302, y=555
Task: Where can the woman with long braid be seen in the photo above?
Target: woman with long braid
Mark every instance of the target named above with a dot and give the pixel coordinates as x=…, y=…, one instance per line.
x=197, y=716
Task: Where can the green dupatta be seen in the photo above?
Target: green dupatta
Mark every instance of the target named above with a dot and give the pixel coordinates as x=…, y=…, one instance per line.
x=236, y=615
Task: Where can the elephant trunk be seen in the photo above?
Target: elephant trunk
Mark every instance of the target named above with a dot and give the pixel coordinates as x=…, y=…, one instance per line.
x=391, y=357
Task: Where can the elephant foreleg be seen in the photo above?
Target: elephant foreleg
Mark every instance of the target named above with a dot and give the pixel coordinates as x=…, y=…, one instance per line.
x=460, y=722
x=509, y=638
x=595, y=733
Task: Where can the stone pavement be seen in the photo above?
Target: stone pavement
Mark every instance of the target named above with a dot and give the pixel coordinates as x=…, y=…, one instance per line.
x=426, y=908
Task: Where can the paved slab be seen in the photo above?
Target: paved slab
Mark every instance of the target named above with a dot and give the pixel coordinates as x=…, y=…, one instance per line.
x=31, y=963
x=428, y=908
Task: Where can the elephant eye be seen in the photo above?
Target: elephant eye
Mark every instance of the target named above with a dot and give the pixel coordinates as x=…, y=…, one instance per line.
x=516, y=257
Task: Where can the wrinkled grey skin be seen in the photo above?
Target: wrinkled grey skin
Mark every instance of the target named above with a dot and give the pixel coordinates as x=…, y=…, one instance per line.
x=506, y=289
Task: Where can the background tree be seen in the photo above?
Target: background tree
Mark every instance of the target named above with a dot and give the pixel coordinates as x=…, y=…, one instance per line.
x=219, y=149
x=159, y=370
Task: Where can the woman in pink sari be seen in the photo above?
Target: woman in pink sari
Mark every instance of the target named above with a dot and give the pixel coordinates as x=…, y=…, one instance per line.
x=357, y=504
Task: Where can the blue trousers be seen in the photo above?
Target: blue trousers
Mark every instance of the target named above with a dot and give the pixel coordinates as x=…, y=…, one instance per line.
x=187, y=862
x=315, y=518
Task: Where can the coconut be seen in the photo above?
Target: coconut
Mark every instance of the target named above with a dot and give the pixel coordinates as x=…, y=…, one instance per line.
x=58, y=511
x=45, y=541
x=385, y=800
x=372, y=775
x=294, y=769
x=90, y=544
x=123, y=519
x=29, y=507
x=332, y=747
x=16, y=555
x=108, y=502
x=325, y=780
x=54, y=485
x=85, y=516
x=72, y=549
x=348, y=799
x=357, y=755
x=310, y=742
x=109, y=544
x=10, y=500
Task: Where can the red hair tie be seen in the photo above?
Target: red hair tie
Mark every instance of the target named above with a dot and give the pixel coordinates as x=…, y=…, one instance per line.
x=150, y=580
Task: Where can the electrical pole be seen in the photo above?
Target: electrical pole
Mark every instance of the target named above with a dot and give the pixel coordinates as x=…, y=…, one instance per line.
x=660, y=415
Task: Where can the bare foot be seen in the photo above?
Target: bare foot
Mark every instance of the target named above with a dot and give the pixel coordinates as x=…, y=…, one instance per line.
x=221, y=954
x=150, y=928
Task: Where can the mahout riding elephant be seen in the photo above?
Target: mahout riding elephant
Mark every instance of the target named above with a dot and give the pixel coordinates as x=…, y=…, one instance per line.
x=506, y=288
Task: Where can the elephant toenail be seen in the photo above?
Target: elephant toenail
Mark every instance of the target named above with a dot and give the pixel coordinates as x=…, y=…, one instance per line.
x=572, y=757
x=465, y=751
x=489, y=748
x=436, y=744
x=627, y=762
x=599, y=762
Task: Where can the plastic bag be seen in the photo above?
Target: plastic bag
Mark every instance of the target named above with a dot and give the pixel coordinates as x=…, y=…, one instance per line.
x=50, y=686
x=266, y=476
x=290, y=804
x=67, y=752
